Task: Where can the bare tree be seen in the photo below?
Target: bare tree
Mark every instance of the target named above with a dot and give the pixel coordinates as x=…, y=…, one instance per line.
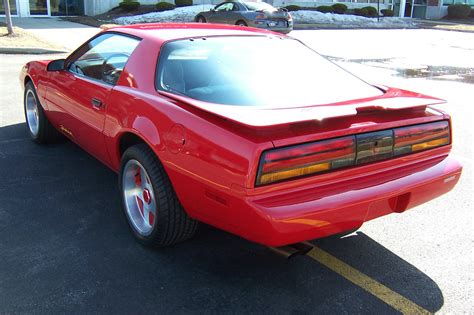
x=8, y=17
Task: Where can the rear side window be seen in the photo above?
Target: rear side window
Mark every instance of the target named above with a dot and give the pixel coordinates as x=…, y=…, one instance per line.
x=259, y=6
x=255, y=71
x=229, y=6
x=104, y=57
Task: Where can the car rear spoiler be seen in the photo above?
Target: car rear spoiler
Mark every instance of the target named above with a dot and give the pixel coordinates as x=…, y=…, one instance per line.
x=262, y=117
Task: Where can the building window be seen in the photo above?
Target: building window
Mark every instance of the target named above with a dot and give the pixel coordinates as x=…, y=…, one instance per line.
x=448, y=2
x=67, y=7
x=38, y=7
x=13, y=9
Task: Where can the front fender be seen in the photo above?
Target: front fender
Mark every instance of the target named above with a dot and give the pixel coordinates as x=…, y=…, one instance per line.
x=37, y=73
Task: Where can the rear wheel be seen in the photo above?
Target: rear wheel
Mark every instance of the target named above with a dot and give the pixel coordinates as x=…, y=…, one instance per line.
x=39, y=128
x=201, y=19
x=151, y=206
x=241, y=23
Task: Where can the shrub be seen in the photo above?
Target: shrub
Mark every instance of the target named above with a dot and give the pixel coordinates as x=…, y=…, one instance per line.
x=293, y=7
x=164, y=6
x=387, y=12
x=339, y=8
x=371, y=11
x=129, y=5
x=309, y=8
x=459, y=11
x=361, y=12
x=324, y=9
x=183, y=3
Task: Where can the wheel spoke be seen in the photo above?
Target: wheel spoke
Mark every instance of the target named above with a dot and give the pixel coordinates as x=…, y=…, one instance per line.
x=131, y=192
x=146, y=214
x=141, y=205
x=143, y=178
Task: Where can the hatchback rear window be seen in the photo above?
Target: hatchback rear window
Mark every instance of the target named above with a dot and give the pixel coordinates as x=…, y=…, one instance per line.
x=255, y=71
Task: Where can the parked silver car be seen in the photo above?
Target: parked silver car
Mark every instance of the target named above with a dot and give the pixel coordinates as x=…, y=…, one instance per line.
x=255, y=14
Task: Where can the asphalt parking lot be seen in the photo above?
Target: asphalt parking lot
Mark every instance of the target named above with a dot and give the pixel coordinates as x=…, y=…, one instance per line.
x=65, y=246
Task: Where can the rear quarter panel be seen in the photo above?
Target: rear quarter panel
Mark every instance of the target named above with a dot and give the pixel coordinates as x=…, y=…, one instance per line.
x=201, y=156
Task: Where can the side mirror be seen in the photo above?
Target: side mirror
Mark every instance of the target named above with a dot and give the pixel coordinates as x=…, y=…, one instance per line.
x=213, y=10
x=56, y=65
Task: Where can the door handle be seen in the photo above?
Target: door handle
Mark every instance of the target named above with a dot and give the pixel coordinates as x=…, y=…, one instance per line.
x=96, y=103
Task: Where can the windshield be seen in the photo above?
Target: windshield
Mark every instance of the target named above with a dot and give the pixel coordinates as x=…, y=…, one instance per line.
x=255, y=71
x=258, y=6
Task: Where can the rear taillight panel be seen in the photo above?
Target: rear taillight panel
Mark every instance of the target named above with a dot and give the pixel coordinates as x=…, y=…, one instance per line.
x=322, y=156
x=280, y=164
x=421, y=137
x=374, y=146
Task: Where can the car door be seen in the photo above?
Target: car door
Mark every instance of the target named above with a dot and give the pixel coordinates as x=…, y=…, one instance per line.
x=77, y=96
x=221, y=13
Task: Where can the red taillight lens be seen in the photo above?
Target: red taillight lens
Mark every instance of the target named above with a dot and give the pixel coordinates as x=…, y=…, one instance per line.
x=421, y=137
x=306, y=159
x=280, y=164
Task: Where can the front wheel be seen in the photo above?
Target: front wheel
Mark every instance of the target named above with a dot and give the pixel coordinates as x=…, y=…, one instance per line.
x=201, y=19
x=39, y=128
x=151, y=206
x=241, y=23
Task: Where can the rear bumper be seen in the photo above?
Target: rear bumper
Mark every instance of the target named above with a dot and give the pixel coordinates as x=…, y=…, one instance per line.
x=280, y=28
x=315, y=212
x=319, y=206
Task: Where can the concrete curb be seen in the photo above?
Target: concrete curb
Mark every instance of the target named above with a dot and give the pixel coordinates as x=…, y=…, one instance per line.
x=417, y=25
x=29, y=51
x=346, y=27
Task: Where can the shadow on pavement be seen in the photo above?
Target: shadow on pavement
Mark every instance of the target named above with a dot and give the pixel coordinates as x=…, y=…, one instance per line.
x=34, y=23
x=65, y=246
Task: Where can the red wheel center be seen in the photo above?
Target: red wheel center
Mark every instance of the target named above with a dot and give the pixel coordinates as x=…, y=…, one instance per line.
x=146, y=196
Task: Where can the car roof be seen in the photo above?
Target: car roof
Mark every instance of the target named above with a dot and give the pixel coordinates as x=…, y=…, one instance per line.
x=170, y=31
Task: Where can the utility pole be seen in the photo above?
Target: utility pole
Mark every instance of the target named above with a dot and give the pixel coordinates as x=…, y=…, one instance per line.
x=8, y=17
x=378, y=10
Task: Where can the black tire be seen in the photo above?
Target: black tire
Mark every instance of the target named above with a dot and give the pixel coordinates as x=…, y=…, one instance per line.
x=172, y=224
x=241, y=23
x=44, y=132
x=200, y=19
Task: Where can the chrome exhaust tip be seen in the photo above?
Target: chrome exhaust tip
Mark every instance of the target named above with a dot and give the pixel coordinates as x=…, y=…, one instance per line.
x=292, y=250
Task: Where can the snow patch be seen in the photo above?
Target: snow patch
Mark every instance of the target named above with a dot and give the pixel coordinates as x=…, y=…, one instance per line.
x=182, y=14
x=315, y=17
x=187, y=14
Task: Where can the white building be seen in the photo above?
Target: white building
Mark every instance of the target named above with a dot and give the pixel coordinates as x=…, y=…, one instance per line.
x=429, y=9
x=41, y=8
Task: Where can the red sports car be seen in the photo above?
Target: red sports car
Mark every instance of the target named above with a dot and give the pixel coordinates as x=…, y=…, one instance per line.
x=246, y=130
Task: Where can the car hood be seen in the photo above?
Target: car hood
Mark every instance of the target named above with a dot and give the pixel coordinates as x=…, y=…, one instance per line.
x=256, y=116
